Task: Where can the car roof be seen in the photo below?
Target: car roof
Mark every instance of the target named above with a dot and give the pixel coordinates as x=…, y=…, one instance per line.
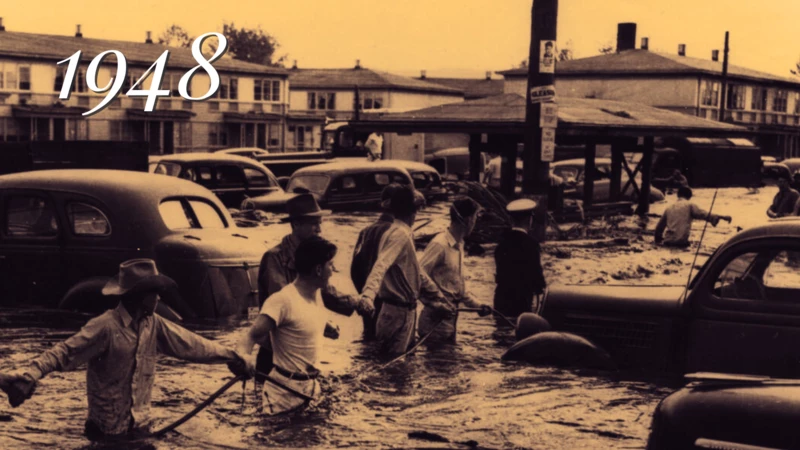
x=111, y=185
x=239, y=149
x=350, y=167
x=776, y=228
x=412, y=165
x=207, y=157
x=450, y=151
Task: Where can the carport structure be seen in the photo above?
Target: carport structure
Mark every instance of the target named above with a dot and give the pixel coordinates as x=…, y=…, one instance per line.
x=497, y=124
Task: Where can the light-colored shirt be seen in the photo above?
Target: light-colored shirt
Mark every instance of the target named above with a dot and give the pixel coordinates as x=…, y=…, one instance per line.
x=493, y=171
x=121, y=363
x=299, y=332
x=678, y=221
x=397, y=274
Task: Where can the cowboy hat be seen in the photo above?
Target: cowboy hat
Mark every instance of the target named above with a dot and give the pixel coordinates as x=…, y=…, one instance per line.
x=303, y=205
x=138, y=275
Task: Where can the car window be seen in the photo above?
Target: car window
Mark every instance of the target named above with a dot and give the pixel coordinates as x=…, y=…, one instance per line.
x=784, y=271
x=731, y=281
x=256, y=178
x=86, y=220
x=207, y=215
x=317, y=184
x=175, y=216
x=189, y=174
x=347, y=185
x=202, y=175
x=30, y=216
x=166, y=168
x=230, y=176
x=420, y=179
x=381, y=179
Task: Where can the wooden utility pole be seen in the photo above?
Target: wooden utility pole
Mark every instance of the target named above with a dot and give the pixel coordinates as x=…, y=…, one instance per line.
x=541, y=88
x=724, y=93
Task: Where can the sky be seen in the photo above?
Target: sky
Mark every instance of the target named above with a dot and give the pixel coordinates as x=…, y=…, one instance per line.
x=444, y=37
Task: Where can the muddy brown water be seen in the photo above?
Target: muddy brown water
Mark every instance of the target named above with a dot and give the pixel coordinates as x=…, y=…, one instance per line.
x=462, y=393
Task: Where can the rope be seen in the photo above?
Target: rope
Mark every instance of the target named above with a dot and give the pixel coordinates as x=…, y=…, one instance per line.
x=699, y=245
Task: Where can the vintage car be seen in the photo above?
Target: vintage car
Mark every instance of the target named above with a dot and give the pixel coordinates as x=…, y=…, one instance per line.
x=64, y=232
x=771, y=172
x=453, y=163
x=792, y=163
x=339, y=185
x=572, y=171
x=739, y=314
x=232, y=178
x=285, y=164
x=747, y=413
x=427, y=180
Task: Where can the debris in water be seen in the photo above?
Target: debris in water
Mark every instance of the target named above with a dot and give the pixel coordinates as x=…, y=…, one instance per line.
x=6, y=418
x=427, y=436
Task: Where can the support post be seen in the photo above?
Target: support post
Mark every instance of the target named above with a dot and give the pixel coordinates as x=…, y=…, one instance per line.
x=724, y=93
x=616, y=171
x=589, y=170
x=647, y=169
x=536, y=171
x=475, y=166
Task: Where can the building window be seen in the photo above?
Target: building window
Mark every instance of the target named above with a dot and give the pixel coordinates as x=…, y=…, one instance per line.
x=736, y=94
x=759, y=102
x=8, y=76
x=321, y=100
x=274, y=138
x=217, y=136
x=174, y=81
x=797, y=102
x=183, y=134
x=781, y=98
x=228, y=88
x=77, y=129
x=267, y=90
x=372, y=100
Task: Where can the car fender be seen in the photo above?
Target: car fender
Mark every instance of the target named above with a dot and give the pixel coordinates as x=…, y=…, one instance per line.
x=87, y=296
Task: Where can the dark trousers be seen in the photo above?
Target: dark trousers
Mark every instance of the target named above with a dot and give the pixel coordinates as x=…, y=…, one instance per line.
x=93, y=432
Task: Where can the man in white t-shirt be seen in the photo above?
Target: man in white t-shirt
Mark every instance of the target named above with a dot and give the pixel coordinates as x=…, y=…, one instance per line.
x=492, y=178
x=294, y=318
x=374, y=146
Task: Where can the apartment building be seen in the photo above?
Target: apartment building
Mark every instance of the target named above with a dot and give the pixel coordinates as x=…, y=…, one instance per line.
x=249, y=109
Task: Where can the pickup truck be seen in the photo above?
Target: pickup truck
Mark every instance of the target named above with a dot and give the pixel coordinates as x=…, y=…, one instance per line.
x=740, y=314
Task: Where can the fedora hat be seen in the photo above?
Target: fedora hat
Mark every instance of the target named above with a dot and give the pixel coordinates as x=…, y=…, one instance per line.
x=138, y=275
x=303, y=205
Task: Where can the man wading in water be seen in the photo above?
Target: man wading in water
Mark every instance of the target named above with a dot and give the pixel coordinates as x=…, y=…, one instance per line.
x=294, y=320
x=120, y=348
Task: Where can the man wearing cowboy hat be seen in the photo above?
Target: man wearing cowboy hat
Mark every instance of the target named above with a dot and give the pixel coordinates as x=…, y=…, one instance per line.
x=277, y=268
x=365, y=252
x=519, y=275
x=120, y=349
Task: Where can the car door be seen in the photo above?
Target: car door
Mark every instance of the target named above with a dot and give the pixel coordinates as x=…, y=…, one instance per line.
x=347, y=191
x=31, y=240
x=230, y=184
x=747, y=311
x=259, y=182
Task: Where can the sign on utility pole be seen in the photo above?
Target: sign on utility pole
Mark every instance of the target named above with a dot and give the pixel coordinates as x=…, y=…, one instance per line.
x=540, y=111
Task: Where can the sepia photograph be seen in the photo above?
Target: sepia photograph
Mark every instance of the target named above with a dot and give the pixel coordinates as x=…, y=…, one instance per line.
x=386, y=224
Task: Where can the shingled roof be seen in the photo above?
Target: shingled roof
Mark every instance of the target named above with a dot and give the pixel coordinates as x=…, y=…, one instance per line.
x=363, y=78
x=644, y=62
x=473, y=88
x=56, y=48
x=507, y=112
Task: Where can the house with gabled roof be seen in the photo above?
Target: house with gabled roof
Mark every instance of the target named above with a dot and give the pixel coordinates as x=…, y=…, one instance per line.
x=318, y=96
x=766, y=103
x=473, y=88
x=249, y=109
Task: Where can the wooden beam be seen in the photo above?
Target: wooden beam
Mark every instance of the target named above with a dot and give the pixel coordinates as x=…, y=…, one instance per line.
x=617, y=158
x=589, y=170
x=647, y=168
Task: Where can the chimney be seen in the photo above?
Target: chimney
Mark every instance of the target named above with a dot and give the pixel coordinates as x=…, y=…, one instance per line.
x=294, y=65
x=715, y=55
x=645, y=43
x=358, y=64
x=149, y=39
x=488, y=75
x=681, y=49
x=626, y=36
x=423, y=74
x=78, y=33
x=2, y=28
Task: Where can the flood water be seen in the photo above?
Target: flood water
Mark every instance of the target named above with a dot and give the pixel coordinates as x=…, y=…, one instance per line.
x=461, y=393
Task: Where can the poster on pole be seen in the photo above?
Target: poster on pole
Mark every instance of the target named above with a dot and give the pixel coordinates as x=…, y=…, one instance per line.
x=548, y=144
x=547, y=56
x=548, y=117
x=541, y=94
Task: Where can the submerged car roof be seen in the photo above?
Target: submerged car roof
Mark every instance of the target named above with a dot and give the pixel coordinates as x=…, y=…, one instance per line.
x=776, y=228
x=112, y=185
x=412, y=165
x=206, y=157
x=350, y=167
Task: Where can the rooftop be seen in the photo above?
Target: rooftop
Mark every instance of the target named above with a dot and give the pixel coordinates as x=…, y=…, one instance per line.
x=473, y=88
x=363, y=78
x=645, y=62
x=56, y=48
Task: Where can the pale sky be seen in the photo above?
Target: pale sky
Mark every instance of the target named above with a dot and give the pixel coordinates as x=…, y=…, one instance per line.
x=444, y=37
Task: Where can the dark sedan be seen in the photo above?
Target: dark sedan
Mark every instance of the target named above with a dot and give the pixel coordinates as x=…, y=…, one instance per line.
x=64, y=232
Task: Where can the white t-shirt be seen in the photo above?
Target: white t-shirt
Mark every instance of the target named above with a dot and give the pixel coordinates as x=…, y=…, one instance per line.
x=298, y=338
x=493, y=171
x=375, y=145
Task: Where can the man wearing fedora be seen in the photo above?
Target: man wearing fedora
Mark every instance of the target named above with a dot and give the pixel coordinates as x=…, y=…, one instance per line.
x=120, y=348
x=398, y=280
x=277, y=268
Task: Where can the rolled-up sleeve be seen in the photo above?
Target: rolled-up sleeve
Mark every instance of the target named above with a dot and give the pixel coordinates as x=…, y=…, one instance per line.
x=178, y=342
x=391, y=246
x=91, y=341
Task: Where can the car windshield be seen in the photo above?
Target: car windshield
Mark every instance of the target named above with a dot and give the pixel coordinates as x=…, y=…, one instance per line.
x=316, y=184
x=165, y=168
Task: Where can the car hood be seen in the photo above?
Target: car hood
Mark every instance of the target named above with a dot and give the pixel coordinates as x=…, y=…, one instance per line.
x=229, y=246
x=649, y=300
x=269, y=201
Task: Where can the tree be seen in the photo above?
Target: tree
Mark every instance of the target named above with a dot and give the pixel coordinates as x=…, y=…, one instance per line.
x=252, y=45
x=175, y=36
x=607, y=48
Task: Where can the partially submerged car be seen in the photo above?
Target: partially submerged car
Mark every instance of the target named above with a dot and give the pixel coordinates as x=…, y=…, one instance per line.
x=572, y=172
x=771, y=172
x=728, y=412
x=739, y=314
x=232, y=178
x=340, y=185
x=65, y=232
x=453, y=163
